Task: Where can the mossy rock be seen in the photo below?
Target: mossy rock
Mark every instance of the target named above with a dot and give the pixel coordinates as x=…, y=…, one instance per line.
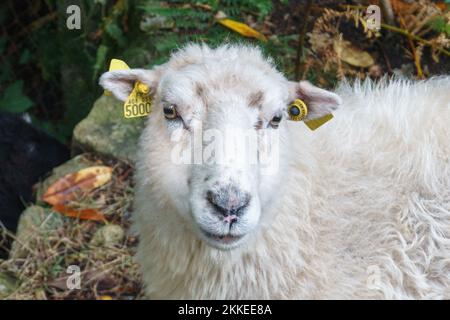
x=7, y=284
x=35, y=223
x=108, y=236
x=107, y=132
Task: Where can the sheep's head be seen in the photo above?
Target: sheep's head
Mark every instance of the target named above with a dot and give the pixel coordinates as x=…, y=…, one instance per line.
x=212, y=143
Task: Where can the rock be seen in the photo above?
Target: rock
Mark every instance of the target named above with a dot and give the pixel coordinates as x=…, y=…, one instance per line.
x=35, y=223
x=108, y=235
x=106, y=131
x=7, y=285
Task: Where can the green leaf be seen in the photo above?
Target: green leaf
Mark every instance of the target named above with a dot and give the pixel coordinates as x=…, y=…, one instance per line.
x=25, y=57
x=14, y=100
x=100, y=60
x=116, y=33
x=439, y=24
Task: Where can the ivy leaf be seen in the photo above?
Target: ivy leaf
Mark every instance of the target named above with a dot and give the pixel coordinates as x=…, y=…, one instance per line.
x=14, y=100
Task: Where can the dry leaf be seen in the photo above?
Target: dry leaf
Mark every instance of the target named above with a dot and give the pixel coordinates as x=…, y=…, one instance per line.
x=400, y=6
x=83, y=214
x=242, y=29
x=442, y=6
x=352, y=55
x=73, y=184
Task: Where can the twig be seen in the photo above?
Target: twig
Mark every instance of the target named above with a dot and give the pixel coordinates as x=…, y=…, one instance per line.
x=414, y=37
x=38, y=23
x=386, y=6
x=352, y=6
x=414, y=52
x=301, y=39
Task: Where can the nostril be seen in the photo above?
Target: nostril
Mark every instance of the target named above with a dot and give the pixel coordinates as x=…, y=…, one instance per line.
x=215, y=201
x=228, y=203
x=231, y=218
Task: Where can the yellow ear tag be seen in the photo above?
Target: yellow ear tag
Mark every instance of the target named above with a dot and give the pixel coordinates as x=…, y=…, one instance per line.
x=316, y=123
x=298, y=111
x=139, y=102
x=117, y=64
x=114, y=65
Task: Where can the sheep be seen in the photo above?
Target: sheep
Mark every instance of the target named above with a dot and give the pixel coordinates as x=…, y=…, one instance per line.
x=357, y=209
x=25, y=155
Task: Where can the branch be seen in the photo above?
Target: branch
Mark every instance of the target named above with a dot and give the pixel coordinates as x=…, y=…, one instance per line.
x=386, y=6
x=413, y=36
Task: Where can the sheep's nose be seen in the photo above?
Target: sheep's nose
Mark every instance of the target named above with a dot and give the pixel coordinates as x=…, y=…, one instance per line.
x=229, y=202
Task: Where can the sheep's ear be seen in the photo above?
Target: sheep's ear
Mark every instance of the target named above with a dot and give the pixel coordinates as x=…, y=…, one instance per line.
x=320, y=102
x=121, y=82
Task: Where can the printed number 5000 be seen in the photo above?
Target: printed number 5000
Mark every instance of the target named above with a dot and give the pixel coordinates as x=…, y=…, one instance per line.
x=137, y=110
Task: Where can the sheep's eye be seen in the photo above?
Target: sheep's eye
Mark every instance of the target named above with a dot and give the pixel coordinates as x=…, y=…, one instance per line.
x=275, y=121
x=170, y=112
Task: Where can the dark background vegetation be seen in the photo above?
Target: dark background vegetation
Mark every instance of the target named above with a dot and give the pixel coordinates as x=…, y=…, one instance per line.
x=52, y=72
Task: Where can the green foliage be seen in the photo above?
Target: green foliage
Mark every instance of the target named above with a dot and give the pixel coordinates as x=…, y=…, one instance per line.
x=235, y=8
x=263, y=7
x=440, y=25
x=173, y=23
x=13, y=99
x=114, y=31
x=100, y=60
x=283, y=50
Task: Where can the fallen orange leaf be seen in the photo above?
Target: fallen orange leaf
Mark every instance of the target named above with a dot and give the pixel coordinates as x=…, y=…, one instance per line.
x=73, y=184
x=83, y=214
x=442, y=5
x=242, y=29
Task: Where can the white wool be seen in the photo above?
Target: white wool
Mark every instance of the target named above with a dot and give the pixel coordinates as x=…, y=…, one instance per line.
x=363, y=210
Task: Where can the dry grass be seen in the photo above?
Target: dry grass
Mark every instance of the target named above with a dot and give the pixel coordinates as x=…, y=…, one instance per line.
x=107, y=271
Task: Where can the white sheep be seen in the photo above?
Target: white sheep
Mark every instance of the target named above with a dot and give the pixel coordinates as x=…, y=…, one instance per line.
x=359, y=208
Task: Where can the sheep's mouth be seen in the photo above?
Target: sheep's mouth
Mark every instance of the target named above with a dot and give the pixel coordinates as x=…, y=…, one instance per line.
x=226, y=239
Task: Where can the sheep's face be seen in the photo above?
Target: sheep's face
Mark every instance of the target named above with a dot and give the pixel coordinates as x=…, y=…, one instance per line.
x=217, y=138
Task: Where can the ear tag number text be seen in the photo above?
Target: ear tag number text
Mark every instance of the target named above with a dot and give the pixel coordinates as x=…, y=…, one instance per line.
x=139, y=102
